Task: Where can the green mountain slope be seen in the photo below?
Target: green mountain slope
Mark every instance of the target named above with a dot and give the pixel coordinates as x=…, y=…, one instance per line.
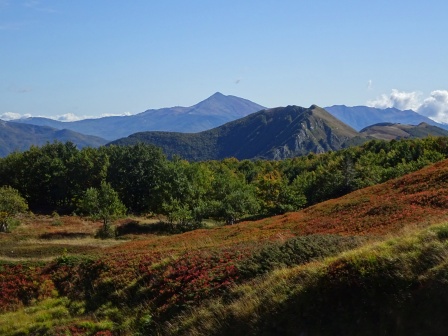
x=271, y=134
x=389, y=131
x=18, y=137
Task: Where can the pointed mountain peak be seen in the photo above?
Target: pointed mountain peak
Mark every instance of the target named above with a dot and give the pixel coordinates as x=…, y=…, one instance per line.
x=221, y=106
x=217, y=95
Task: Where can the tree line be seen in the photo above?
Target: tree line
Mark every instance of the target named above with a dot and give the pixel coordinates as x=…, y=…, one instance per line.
x=56, y=177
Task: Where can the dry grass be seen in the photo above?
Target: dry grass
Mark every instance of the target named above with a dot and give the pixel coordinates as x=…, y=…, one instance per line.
x=249, y=305
x=393, y=210
x=39, y=239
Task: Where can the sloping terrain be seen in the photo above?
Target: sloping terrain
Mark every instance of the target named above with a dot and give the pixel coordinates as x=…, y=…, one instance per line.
x=417, y=199
x=19, y=137
x=271, y=134
x=394, y=287
x=389, y=131
x=211, y=112
x=360, y=117
x=138, y=286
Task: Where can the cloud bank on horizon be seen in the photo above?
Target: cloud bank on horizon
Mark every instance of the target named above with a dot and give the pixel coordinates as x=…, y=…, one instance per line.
x=434, y=107
x=68, y=117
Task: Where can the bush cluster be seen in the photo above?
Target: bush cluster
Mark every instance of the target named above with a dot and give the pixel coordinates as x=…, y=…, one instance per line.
x=296, y=251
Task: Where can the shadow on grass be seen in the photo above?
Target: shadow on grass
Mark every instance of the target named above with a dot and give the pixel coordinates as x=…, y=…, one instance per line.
x=64, y=235
x=159, y=228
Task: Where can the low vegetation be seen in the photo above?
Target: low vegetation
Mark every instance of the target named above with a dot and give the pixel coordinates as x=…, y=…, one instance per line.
x=370, y=262
x=396, y=287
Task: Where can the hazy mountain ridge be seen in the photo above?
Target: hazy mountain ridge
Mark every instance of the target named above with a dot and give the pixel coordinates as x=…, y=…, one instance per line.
x=18, y=137
x=360, y=117
x=209, y=113
x=228, y=133
x=271, y=134
x=389, y=131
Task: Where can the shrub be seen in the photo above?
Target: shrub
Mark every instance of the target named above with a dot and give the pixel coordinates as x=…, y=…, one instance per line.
x=296, y=251
x=11, y=203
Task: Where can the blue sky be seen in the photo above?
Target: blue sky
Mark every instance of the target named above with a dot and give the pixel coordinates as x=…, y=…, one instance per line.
x=70, y=59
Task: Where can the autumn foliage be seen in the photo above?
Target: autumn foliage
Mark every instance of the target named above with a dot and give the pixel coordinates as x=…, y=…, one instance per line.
x=143, y=281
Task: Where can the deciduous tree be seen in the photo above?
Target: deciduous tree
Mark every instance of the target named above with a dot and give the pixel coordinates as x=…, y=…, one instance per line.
x=11, y=203
x=102, y=203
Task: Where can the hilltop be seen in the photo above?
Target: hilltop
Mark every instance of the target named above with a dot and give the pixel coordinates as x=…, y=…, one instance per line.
x=276, y=133
x=360, y=117
x=19, y=137
x=389, y=131
x=211, y=112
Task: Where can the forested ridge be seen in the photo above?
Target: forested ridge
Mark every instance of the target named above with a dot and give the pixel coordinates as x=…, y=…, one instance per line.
x=53, y=178
x=270, y=134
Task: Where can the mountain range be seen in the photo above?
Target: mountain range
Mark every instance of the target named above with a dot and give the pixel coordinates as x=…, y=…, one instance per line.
x=19, y=137
x=270, y=134
x=209, y=113
x=360, y=117
x=389, y=131
x=222, y=126
x=277, y=133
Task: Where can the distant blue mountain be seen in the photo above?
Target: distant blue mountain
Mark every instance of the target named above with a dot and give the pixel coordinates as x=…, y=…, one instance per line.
x=360, y=117
x=20, y=137
x=212, y=112
x=277, y=133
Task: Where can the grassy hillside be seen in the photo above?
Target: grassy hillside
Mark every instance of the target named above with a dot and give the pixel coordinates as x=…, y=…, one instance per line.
x=396, y=287
x=277, y=276
x=273, y=134
x=389, y=131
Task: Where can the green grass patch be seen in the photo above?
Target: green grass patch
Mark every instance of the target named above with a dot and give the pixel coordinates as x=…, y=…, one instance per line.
x=38, y=319
x=296, y=251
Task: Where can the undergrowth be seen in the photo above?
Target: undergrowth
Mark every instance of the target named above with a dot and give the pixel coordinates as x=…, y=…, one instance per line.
x=398, y=287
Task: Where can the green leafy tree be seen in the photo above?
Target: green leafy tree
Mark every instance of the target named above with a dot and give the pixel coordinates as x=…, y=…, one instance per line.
x=102, y=203
x=40, y=174
x=135, y=172
x=11, y=203
x=231, y=198
x=86, y=169
x=241, y=201
x=276, y=195
x=184, y=190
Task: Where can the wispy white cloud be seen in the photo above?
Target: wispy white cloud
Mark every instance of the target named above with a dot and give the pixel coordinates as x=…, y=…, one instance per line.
x=125, y=114
x=435, y=106
x=39, y=6
x=28, y=5
x=67, y=117
x=369, y=84
x=8, y=116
